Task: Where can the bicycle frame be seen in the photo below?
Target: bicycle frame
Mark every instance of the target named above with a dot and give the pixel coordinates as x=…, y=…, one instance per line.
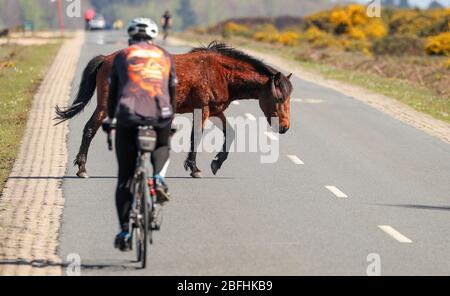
x=140, y=174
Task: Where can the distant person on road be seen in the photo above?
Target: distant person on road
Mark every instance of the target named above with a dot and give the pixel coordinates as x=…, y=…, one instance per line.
x=166, y=23
x=88, y=16
x=142, y=92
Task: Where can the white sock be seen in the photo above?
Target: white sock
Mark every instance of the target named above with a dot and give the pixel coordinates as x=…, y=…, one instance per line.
x=164, y=170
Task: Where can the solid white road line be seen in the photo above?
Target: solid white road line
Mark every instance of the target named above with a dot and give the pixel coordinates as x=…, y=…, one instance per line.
x=395, y=234
x=295, y=159
x=236, y=103
x=250, y=116
x=336, y=191
x=296, y=100
x=271, y=136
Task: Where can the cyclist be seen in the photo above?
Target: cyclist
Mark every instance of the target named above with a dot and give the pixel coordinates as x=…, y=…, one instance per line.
x=166, y=23
x=142, y=92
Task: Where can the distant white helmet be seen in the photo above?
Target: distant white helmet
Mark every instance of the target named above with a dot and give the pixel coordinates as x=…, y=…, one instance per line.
x=143, y=27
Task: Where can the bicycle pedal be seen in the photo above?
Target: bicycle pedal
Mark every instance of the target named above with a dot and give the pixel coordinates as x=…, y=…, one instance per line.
x=156, y=228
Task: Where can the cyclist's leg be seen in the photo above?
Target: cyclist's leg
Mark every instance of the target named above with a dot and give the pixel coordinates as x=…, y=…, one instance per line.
x=126, y=152
x=166, y=32
x=162, y=151
x=160, y=158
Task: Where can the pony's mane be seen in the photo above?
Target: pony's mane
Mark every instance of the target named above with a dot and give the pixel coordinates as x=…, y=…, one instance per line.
x=228, y=51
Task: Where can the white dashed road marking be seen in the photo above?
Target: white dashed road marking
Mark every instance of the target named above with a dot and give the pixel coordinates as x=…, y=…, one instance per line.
x=236, y=103
x=295, y=159
x=250, y=116
x=314, y=101
x=395, y=234
x=336, y=191
x=307, y=101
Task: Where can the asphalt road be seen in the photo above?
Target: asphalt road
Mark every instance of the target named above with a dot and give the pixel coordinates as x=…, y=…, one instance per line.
x=390, y=197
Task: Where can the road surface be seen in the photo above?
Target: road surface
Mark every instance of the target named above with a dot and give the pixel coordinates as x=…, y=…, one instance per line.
x=351, y=184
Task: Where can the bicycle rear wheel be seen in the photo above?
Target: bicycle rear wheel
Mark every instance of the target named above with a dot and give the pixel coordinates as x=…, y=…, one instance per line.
x=142, y=227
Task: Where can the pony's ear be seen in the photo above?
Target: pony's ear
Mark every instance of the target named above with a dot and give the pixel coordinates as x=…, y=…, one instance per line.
x=277, y=79
x=289, y=76
x=276, y=82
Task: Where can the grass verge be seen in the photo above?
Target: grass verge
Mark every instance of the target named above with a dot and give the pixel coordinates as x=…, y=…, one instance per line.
x=420, y=98
x=22, y=68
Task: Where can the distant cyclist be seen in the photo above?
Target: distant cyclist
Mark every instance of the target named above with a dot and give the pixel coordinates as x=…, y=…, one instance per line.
x=142, y=93
x=166, y=23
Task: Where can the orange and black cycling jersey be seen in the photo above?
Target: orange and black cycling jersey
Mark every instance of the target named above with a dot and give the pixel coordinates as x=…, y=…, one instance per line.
x=141, y=78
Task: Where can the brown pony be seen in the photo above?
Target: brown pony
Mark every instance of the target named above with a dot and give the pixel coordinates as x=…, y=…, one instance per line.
x=210, y=78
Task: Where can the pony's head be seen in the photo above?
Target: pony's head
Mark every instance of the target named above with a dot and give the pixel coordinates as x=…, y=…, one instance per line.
x=275, y=101
x=274, y=96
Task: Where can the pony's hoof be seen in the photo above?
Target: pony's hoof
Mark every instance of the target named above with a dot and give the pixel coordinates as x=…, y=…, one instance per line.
x=215, y=166
x=197, y=175
x=83, y=175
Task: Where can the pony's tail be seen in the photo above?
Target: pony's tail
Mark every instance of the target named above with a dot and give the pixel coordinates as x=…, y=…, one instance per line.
x=86, y=91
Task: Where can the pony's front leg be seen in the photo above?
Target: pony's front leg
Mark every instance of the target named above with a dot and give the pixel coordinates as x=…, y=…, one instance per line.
x=229, y=136
x=196, y=136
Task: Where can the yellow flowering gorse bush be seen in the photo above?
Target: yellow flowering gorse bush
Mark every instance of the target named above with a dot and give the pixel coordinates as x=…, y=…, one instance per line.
x=438, y=45
x=289, y=38
x=350, y=28
x=232, y=28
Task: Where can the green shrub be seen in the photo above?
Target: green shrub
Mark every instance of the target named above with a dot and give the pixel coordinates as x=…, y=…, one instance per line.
x=398, y=45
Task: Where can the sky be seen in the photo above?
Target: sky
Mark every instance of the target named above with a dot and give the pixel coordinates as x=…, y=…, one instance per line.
x=420, y=3
x=425, y=3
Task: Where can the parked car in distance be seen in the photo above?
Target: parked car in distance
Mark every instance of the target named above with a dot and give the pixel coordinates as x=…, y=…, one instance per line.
x=97, y=23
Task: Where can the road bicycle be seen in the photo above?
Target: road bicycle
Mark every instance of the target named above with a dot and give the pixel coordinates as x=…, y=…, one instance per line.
x=146, y=213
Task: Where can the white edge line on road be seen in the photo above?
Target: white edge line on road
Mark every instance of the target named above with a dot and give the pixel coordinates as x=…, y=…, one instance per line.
x=250, y=116
x=295, y=159
x=235, y=103
x=395, y=234
x=336, y=191
x=271, y=136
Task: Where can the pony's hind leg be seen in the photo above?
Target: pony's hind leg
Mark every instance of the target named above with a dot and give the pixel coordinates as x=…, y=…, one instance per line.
x=196, y=136
x=229, y=136
x=89, y=132
x=191, y=160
